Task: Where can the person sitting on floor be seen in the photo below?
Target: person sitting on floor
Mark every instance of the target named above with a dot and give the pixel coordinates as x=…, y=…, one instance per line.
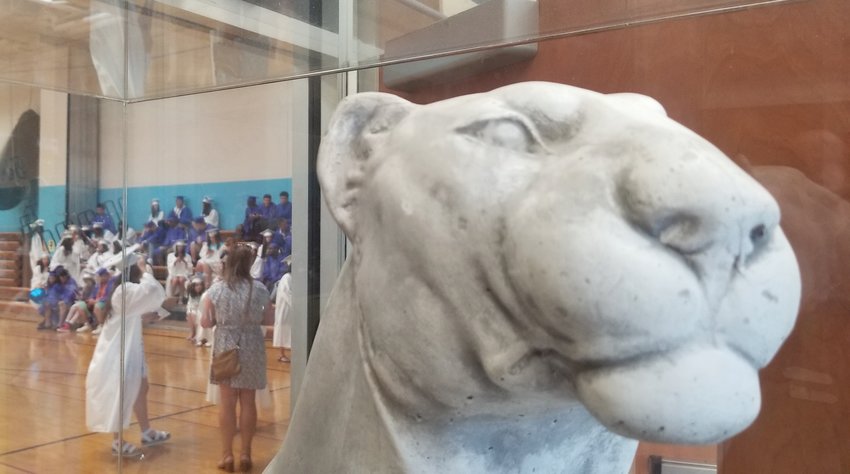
x=103, y=288
x=80, y=311
x=48, y=308
x=61, y=294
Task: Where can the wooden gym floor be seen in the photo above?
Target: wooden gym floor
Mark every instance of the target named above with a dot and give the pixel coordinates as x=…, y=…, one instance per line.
x=42, y=404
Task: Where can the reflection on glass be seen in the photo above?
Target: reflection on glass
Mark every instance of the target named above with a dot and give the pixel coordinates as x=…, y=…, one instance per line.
x=145, y=49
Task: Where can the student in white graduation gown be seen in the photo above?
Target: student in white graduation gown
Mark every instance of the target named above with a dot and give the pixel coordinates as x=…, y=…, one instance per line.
x=282, y=335
x=104, y=412
x=38, y=248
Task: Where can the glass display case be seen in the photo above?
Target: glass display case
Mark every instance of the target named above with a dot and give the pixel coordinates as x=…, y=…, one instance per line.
x=108, y=106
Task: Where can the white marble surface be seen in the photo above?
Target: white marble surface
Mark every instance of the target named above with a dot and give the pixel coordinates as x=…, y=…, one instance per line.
x=536, y=269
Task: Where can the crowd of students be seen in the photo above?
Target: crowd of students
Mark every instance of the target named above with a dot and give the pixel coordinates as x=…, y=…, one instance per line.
x=95, y=273
x=73, y=283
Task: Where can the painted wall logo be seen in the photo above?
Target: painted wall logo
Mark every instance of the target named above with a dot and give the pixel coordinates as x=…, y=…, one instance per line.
x=19, y=162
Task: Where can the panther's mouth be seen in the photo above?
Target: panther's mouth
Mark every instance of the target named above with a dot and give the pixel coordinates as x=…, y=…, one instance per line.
x=699, y=394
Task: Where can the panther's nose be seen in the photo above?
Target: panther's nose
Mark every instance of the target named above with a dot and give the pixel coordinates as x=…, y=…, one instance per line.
x=710, y=213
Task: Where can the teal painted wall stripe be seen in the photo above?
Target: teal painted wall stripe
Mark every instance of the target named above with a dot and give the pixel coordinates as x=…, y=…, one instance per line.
x=228, y=198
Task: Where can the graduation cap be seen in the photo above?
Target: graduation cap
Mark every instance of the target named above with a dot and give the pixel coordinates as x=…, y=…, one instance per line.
x=179, y=196
x=97, y=225
x=88, y=275
x=129, y=258
x=198, y=278
x=155, y=201
x=207, y=199
x=180, y=243
x=102, y=271
x=267, y=233
x=37, y=222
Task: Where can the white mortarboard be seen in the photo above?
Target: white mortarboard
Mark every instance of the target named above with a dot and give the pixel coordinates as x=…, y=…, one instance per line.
x=37, y=222
x=206, y=199
x=97, y=225
x=197, y=279
x=154, y=201
x=267, y=233
x=129, y=258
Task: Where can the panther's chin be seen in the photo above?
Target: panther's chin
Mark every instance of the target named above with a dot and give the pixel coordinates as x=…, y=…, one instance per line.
x=697, y=395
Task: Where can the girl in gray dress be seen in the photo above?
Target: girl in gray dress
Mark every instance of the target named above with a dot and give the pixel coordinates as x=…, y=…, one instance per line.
x=225, y=308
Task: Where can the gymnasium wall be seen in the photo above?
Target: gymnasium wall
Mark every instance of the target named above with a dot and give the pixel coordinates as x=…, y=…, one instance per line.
x=227, y=145
x=43, y=176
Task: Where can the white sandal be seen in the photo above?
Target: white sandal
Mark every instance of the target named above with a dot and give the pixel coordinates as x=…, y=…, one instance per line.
x=152, y=437
x=126, y=450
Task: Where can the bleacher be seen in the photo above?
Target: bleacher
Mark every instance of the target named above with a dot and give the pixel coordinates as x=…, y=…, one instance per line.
x=14, y=292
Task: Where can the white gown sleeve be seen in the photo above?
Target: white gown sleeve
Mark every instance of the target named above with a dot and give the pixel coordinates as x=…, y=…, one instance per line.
x=143, y=298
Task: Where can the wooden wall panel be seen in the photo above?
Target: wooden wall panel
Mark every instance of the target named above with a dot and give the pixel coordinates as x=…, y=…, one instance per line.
x=771, y=87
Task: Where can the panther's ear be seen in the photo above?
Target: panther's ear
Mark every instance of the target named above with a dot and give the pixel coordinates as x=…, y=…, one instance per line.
x=639, y=102
x=351, y=147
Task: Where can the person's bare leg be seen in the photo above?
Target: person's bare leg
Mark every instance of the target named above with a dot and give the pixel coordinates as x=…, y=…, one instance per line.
x=247, y=419
x=99, y=316
x=140, y=408
x=227, y=419
x=190, y=320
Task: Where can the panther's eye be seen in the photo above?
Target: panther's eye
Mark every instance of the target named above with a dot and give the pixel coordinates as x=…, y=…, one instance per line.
x=511, y=133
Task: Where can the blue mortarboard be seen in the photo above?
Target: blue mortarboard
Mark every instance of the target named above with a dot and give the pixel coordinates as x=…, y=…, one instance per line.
x=180, y=197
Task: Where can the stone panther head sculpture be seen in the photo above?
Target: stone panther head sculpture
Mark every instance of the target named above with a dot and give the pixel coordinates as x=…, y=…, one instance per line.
x=533, y=268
